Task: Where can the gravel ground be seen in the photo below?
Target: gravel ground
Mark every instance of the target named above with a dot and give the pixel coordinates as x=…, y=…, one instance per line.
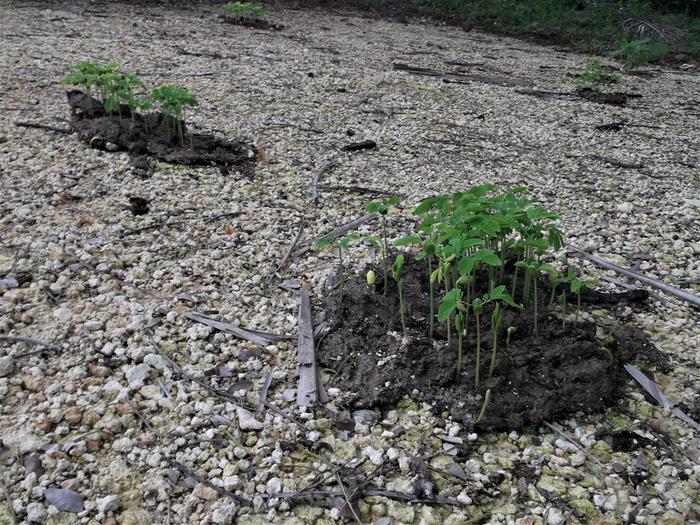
x=105, y=415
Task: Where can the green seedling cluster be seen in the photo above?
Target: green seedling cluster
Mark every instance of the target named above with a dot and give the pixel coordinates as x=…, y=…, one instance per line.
x=474, y=234
x=596, y=74
x=468, y=240
x=245, y=11
x=116, y=89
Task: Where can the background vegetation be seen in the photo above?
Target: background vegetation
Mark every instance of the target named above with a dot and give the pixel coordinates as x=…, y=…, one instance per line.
x=588, y=25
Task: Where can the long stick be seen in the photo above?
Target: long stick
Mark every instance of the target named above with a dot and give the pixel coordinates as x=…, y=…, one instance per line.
x=42, y=126
x=671, y=290
x=317, y=175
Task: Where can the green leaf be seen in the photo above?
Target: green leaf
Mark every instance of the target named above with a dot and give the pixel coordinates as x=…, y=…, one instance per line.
x=396, y=267
x=408, y=240
x=466, y=265
x=449, y=303
x=324, y=243
x=488, y=257
x=426, y=205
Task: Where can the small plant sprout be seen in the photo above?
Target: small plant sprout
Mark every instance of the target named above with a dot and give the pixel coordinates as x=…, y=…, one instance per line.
x=577, y=287
x=497, y=294
x=427, y=252
x=496, y=318
x=396, y=274
x=484, y=406
x=341, y=243
x=596, y=74
x=172, y=101
x=381, y=207
x=371, y=277
x=245, y=11
x=452, y=302
x=509, y=332
x=532, y=274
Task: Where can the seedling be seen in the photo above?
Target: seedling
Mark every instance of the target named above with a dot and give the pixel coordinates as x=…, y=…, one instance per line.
x=484, y=406
x=245, y=11
x=452, y=302
x=341, y=243
x=532, y=274
x=396, y=274
x=596, y=74
x=371, y=277
x=577, y=286
x=381, y=207
x=509, y=332
x=111, y=87
x=172, y=101
x=496, y=318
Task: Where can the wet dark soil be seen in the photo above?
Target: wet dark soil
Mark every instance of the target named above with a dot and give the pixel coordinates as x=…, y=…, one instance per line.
x=156, y=135
x=253, y=23
x=562, y=370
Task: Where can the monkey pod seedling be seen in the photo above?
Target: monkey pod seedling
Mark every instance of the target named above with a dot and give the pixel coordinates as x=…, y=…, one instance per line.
x=244, y=12
x=115, y=89
x=172, y=101
x=477, y=304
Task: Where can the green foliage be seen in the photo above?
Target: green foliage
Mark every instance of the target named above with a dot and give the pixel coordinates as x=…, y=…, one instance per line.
x=111, y=87
x=641, y=52
x=596, y=74
x=590, y=25
x=245, y=10
x=116, y=88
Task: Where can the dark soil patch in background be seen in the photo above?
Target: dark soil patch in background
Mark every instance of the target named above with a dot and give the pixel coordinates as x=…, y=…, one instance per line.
x=536, y=378
x=156, y=135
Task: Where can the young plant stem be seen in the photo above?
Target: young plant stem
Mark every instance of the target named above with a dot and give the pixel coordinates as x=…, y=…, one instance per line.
x=402, y=308
x=449, y=319
x=495, y=325
x=578, y=306
x=563, y=310
x=385, y=256
x=478, y=349
x=342, y=272
x=515, y=278
x=535, y=319
x=459, y=325
x=484, y=406
x=432, y=298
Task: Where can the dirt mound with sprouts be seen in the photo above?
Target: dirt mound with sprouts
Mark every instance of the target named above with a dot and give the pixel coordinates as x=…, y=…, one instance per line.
x=565, y=369
x=160, y=136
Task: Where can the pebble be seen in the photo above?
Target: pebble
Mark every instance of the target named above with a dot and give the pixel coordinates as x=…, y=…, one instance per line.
x=246, y=420
x=136, y=375
x=7, y=366
x=108, y=504
x=36, y=513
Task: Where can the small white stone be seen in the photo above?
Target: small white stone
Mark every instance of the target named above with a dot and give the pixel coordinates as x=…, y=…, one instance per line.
x=246, y=421
x=464, y=499
x=36, y=513
x=7, y=366
x=108, y=504
x=273, y=486
x=136, y=375
x=374, y=455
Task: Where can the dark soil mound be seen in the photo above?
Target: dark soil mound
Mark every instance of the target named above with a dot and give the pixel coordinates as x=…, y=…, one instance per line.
x=160, y=136
x=561, y=371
